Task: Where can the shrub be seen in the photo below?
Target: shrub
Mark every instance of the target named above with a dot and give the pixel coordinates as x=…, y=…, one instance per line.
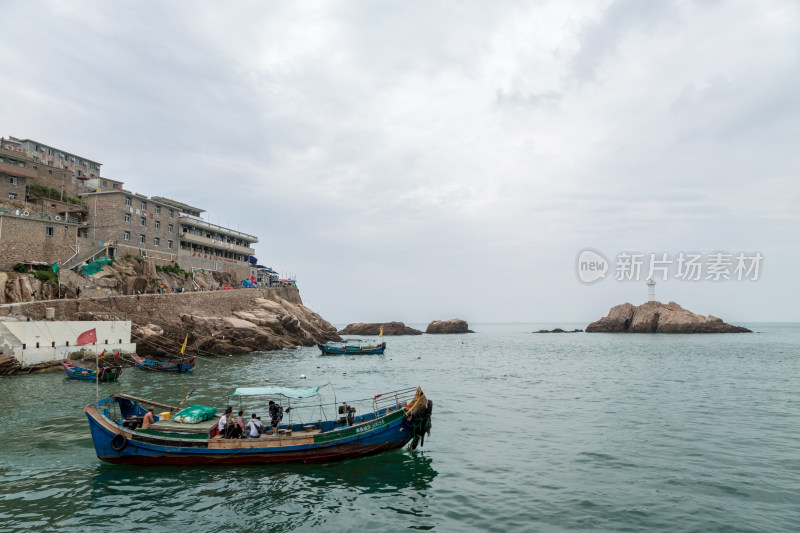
x=46, y=275
x=22, y=269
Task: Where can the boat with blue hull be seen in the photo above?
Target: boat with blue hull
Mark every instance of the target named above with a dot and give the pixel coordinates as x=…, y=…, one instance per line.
x=390, y=421
x=182, y=365
x=351, y=347
x=107, y=373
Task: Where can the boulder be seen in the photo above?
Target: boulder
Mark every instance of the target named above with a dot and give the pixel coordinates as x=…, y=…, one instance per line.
x=374, y=329
x=656, y=317
x=8, y=364
x=454, y=325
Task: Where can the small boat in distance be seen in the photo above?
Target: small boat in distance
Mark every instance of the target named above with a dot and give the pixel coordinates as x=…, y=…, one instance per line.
x=365, y=427
x=107, y=373
x=182, y=365
x=351, y=347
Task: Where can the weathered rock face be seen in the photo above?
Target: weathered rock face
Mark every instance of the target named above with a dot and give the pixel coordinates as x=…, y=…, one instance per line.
x=454, y=325
x=655, y=317
x=374, y=328
x=256, y=324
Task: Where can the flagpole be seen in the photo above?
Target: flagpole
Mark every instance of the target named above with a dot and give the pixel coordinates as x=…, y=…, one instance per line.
x=97, y=379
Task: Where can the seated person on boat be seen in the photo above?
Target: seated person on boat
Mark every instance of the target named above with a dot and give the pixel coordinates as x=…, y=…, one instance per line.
x=148, y=419
x=254, y=427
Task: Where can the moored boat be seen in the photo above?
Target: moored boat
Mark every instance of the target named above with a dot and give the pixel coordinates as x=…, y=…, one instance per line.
x=182, y=365
x=107, y=373
x=388, y=421
x=351, y=347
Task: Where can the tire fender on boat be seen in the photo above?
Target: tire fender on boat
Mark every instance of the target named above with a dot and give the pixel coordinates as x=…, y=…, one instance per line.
x=118, y=442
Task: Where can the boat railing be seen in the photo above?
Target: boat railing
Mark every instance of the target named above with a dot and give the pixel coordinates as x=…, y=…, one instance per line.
x=388, y=400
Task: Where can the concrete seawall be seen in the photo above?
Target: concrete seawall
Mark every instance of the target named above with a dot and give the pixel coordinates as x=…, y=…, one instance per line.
x=144, y=308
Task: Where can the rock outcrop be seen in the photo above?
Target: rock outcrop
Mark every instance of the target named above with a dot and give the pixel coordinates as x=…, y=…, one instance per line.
x=374, y=328
x=656, y=317
x=454, y=325
x=559, y=330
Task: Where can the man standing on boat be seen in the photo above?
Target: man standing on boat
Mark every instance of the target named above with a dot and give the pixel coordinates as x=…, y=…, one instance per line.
x=276, y=415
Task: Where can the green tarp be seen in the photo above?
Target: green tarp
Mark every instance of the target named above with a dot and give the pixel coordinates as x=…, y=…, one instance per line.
x=195, y=413
x=95, y=266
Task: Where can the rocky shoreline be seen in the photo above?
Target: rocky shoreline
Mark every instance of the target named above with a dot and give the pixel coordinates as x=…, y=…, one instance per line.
x=656, y=317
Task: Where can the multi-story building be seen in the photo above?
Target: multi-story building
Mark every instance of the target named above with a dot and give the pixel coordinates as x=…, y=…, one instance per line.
x=58, y=158
x=96, y=215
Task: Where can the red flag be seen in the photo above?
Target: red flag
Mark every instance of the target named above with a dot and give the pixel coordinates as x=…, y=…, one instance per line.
x=116, y=354
x=102, y=354
x=87, y=337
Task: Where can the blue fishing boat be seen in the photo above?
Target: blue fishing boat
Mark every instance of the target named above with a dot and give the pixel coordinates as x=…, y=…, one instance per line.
x=386, y=422
x=107, y=373
x=351, y=347
x=182, y=365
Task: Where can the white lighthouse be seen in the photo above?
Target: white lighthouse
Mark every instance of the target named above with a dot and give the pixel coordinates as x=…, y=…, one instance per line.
x=651, y=290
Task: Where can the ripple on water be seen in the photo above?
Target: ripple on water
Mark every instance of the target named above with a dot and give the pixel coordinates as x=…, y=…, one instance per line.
x=530, y=432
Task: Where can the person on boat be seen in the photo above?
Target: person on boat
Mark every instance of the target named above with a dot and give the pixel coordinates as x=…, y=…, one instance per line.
x=148, y=419
x=223, y=421
x=276, y=415
x=240, y=424
x=254, y=427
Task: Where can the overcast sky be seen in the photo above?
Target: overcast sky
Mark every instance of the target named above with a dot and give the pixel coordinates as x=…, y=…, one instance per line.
x=428, y=160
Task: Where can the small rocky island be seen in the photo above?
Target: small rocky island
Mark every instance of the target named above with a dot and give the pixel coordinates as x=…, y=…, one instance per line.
x=454, y=325
x=656, y=317
x=374, y=328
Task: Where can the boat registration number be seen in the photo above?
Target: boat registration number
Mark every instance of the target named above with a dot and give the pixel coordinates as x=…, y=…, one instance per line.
x=370, y=426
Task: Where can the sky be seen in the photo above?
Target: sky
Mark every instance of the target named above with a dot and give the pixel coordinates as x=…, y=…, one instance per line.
x=418, y=161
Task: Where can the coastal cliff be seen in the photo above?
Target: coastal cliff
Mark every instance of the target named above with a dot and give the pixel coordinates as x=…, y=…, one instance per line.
x=218, y=322
x=656, y=317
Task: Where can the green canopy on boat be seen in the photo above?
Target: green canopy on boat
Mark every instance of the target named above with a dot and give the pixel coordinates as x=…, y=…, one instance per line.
x=277, y=391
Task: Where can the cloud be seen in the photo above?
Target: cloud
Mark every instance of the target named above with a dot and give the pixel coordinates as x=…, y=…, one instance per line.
x=451, y=160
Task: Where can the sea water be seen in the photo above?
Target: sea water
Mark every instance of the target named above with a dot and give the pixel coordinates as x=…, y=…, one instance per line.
x=531, y=432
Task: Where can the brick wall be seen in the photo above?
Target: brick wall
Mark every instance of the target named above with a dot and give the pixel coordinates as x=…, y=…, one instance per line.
x=25, y=239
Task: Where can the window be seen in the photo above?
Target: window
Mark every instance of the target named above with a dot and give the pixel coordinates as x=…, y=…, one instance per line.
x=144, y=205
x=127, y=200
x=158, y=224
x=115, y=185
x=169, y=245
x=169, y=228
x=143, y=221
x=141, y=238
x=158, y=210
x=127, y=217
x=156, y=241
x=12, y=195
x=49, y=171
x=13, y=181
x=48, y=231
x=105, y=183
x=171, y=213
x=126, y=236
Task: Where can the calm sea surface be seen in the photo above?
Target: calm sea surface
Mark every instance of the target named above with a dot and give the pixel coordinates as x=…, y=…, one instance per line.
x=531, y=432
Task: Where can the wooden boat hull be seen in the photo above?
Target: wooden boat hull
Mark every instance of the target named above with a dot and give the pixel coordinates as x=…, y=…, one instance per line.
x=391, y=431
x=336, y=350
x=184, y=365
x=108, y=373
